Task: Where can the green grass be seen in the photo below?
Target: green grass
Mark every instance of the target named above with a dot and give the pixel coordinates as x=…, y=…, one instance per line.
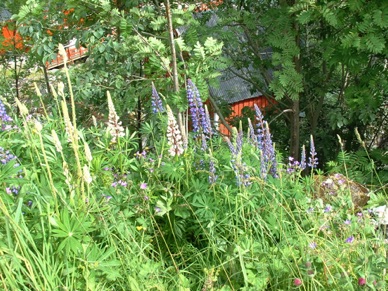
x=92, y=214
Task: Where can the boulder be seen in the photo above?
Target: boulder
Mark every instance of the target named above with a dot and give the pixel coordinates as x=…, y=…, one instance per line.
x=329, y=187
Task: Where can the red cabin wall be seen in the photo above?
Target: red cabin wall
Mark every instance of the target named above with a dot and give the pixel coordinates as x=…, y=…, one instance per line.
x=237, y=107
x=73, y=54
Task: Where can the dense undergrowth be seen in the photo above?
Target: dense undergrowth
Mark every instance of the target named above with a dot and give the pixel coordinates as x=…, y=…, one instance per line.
x=83, y=209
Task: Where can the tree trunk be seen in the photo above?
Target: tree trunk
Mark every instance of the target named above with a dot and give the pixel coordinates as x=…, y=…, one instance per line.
x=172, y=46
x=295, y=130
x=16, y=76
x=138, y=116
x=295, y=121
x=218, y=111
x=46, y=78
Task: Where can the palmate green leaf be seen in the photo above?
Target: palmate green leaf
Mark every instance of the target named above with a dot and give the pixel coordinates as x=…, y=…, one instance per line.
x=163, y=207
x=8, y=172
x=70, y=244
x=173, y=172
x=182, y=212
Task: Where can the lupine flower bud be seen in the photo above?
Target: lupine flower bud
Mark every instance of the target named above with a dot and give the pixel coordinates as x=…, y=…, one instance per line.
x=54, y=92
x=67, y=174
x=207, y=119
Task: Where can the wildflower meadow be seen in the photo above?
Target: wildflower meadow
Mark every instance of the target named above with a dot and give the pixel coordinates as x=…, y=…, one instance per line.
x=83, y=209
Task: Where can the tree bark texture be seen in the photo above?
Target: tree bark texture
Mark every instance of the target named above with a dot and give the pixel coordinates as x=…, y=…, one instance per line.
x=172, y=46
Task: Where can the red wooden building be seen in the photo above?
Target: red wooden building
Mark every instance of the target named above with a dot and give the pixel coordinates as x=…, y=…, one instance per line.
x=237, y=93
x=233, y=89
x=11, y=40
x=73, y=54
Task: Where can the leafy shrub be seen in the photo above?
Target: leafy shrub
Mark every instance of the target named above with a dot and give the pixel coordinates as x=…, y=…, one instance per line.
x=194, y=212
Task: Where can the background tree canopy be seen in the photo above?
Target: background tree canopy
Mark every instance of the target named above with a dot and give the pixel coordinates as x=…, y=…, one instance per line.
x=114, y=177
x=323, y=62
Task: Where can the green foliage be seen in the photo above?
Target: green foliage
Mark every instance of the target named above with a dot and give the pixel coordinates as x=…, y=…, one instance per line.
x=150, y=221
x=89, y=212
x=327, y=56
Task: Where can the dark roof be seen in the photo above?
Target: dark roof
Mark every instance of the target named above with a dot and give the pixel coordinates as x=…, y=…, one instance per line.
x=4, y=15
x=232, y=88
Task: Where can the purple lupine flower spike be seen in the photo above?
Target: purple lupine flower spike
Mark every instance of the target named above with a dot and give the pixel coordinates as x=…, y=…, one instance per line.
x=197, y=111
x=270, y=151
x=265, y=145
x=313, y=160
x=208, y=122
x=192, y=106
x=231, y=146
x=251, y=134
x=303, y=158
x=260, y=127
x=156, y=102
x=239, y=140
x=212, y=173
x=204, y=143
x=4, y=117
